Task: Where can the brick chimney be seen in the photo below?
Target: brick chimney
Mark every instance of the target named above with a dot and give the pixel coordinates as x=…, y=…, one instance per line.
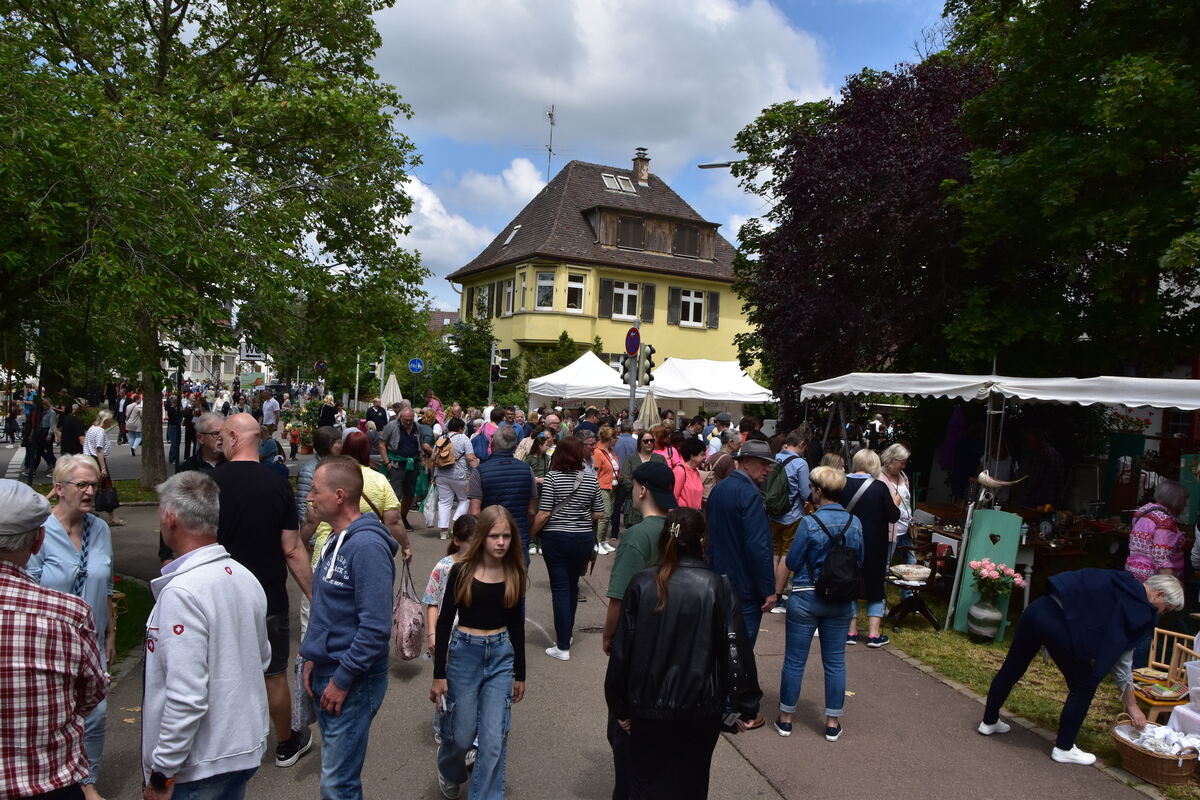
x=641, y=167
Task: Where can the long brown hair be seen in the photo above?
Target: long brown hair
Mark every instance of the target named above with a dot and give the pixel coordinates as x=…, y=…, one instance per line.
x=515, y=579
x=683, y=534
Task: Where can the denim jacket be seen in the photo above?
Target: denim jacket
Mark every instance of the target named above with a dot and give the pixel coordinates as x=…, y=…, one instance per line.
x=811, y=545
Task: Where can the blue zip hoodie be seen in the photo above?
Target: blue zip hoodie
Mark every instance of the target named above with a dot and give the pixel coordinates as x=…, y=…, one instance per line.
x=351, y=619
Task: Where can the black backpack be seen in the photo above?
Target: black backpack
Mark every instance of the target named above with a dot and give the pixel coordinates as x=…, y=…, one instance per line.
x=838, y=582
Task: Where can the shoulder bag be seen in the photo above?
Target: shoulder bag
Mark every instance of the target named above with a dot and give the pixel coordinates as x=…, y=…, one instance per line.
x=408, y=621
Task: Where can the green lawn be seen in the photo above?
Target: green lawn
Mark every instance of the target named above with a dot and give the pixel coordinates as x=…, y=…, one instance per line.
x=131, y=622
x=130, y=491
x=1038, y=697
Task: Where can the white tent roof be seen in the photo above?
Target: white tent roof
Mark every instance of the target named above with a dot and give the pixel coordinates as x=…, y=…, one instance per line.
x=1182, y=394
x=702, y=379
x=586, y=378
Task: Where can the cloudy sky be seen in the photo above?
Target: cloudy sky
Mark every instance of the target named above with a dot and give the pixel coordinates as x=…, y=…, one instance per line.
x=679, y=77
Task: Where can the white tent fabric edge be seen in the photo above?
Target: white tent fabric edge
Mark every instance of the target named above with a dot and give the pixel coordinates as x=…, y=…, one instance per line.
x=585, y=378
x=1182, y=394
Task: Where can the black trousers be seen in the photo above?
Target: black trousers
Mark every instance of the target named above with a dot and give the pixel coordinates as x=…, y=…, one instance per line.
x=672, y=758
x=622, y=750
x=1043, y=624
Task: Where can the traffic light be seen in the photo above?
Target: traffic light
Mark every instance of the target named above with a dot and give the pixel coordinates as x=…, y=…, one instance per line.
x=628, y=369
x=372, y=372
x=495, y=372
x=502, y=366
x=646, y=365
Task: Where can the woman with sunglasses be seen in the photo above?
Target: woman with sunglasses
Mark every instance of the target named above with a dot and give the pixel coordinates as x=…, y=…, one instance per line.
x=645, y=452
x=76, y=558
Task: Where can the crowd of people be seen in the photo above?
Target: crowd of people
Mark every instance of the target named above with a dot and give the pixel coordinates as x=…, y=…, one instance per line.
x=711, y=525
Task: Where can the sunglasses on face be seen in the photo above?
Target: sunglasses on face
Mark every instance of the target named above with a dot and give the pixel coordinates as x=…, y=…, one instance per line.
x=647, y=441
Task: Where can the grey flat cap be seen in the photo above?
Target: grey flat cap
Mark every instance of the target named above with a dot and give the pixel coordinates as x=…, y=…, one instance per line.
x=21, y=508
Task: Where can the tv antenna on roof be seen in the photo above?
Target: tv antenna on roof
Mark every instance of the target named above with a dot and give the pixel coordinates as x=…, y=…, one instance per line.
x=550, y=143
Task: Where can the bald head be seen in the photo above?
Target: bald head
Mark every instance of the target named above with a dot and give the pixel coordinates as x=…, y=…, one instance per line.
x=239, y=438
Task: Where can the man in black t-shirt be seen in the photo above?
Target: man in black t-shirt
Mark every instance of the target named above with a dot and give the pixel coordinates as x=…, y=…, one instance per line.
x=258, y=526
x=72, y=433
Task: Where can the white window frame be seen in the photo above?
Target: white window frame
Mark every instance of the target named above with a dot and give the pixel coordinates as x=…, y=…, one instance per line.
x=483, y=296
x=576, y=280
x=537, y=291
x=626, y=184
x=524, y=278
x=622, y=292
x=610, y=182
x=692, y=298
x=509, y=287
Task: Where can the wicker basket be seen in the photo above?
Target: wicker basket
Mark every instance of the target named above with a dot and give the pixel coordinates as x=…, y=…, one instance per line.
x=1152, y=767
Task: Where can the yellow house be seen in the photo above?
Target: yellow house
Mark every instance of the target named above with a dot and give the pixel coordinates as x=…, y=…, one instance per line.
x=598, y=249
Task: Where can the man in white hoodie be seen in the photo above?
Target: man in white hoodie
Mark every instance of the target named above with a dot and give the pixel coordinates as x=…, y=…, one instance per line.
x=205, y=720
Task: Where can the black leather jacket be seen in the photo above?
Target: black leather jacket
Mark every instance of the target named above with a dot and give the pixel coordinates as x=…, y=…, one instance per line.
x=676, y=664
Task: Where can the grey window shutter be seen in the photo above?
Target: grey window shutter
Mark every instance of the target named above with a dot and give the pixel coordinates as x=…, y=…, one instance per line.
x=646, y=298
x=470, y=303
x=606, y=298
x=497, y=300
x=674, y=301
x=714, y=309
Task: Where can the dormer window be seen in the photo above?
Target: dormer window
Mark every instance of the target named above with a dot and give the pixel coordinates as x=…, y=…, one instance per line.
x=687, y=241
x=631, y=233
x=618, y=183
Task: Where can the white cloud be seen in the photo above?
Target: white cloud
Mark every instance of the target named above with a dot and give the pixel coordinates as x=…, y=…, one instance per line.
x=445, y=240
x=505, y=193
x=680, y=77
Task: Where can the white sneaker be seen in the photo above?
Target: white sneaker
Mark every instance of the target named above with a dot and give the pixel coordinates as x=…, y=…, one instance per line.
x=1072, y=756
x=449, y=788
x=561, y=655
x=999, y=726
x=607, y=548
x=444, y=535
x=596, y=549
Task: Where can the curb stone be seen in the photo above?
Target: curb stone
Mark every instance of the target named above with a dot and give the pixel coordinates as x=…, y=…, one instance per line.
x=1116, y=773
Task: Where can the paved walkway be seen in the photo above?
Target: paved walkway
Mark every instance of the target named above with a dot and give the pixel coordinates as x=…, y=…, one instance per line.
x=908, y=735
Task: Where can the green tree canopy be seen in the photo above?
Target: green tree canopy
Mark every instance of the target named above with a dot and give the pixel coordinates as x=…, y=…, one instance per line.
x=179, y=162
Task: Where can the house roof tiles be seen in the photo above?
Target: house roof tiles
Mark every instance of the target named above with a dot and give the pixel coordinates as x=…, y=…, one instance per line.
x=554, y=226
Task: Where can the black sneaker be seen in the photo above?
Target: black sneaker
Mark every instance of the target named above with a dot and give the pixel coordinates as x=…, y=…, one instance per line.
x=832, y=734
x=289, y=752
x=408, y=526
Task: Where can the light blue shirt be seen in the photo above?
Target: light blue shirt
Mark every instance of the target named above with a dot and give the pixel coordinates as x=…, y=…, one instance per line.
x=57, y=564
x=798, y=489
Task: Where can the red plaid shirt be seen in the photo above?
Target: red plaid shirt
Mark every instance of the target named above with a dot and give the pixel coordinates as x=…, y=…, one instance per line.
x=50, y=679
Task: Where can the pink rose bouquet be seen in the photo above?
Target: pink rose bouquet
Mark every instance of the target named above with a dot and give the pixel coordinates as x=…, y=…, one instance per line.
x=995, y=580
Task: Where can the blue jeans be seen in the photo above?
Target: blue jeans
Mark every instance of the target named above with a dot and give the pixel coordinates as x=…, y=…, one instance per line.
x=479, y=675
x=903, y=540
x=344, y=737
x=874, y=608
x=228, y=786
x=805, y=614
x=94, y=726
x=567, y=556
x=173, y=440
x=752, y=616
x=135, y=439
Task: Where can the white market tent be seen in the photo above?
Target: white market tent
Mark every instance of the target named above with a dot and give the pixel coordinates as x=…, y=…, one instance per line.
x=707, y=381
x=586, y=378
x=391, y=391
x=1182, y=394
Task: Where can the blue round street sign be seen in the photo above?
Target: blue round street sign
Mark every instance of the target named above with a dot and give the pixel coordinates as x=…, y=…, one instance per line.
x=416, y=366
x=633, y=341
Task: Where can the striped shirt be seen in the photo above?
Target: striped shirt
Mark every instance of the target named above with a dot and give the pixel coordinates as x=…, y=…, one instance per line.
x=575, y=505
x=96, y=441
x=50, y=679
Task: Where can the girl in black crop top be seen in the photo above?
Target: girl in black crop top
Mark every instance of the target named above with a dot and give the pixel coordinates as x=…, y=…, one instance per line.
x=479, y=664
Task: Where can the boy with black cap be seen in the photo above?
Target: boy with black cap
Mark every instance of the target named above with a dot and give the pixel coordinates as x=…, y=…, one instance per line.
x=654, y=496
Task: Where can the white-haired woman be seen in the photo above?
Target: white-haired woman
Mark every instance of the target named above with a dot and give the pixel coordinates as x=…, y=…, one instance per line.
x=133, y=423
x=76, y=558
x=1089, y=621
x=96, y=445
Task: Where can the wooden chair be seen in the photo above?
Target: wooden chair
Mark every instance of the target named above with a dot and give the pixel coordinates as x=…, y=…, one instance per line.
x=1162, y=646
x=934, y=556
x=1173, y=659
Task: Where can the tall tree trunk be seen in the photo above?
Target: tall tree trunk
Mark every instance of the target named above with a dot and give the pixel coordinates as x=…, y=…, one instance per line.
x=154, y=460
